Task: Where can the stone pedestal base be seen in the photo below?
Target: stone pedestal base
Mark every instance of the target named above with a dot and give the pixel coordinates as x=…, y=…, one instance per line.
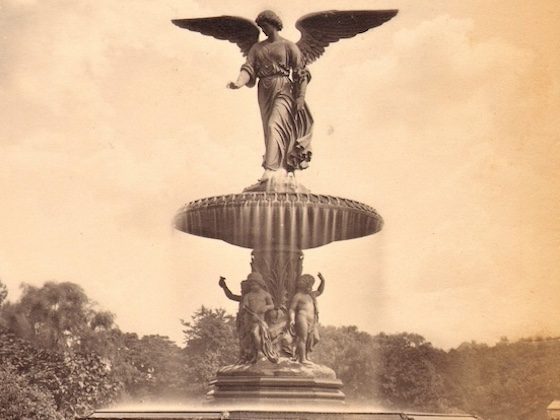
x=275, y=390
x=286, y=382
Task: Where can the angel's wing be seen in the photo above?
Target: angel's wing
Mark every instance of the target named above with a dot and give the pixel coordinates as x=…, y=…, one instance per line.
x=320, y=29
x=235, y=29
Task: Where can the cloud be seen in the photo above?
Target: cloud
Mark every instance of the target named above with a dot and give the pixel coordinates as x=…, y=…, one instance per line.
x=438, y=113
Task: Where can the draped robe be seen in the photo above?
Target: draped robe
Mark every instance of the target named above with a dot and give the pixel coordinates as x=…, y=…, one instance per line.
x=280, y=68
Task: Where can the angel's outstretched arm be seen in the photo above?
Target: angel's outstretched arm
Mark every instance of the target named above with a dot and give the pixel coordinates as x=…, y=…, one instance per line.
x=241, y=81
x=247, y=74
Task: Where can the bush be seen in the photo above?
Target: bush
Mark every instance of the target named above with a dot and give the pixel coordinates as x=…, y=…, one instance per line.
x=19, y=400
x=77, y=383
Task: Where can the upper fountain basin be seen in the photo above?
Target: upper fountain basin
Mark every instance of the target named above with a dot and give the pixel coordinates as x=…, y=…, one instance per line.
x=278, y=219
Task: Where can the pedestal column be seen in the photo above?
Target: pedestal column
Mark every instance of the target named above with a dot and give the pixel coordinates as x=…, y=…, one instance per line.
x=280, y=266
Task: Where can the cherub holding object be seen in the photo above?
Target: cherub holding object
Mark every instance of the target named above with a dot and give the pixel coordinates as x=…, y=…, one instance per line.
x=255, y=303
x=304, y=316
x=245, y=342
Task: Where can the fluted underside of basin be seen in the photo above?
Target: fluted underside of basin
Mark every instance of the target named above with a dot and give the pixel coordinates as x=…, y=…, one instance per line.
x=264, y=219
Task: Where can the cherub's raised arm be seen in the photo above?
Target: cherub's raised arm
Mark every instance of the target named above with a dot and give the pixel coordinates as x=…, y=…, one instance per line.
x=321, y=287
x=229, y=294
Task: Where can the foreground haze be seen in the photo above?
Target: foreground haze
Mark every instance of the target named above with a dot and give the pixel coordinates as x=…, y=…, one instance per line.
x=445, y=119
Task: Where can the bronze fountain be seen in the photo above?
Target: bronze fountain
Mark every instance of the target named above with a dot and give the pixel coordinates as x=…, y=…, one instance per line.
x=278, y=217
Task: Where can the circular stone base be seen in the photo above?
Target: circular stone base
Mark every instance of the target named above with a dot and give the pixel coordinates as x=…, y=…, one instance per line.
x=282, y=382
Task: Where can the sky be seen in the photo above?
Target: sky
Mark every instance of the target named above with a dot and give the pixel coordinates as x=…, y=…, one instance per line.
x=445, y=119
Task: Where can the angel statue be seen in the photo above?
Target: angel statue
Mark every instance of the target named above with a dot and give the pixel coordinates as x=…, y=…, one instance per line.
x=281, y=69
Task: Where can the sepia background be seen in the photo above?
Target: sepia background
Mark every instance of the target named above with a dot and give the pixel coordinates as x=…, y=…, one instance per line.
x=445, y=119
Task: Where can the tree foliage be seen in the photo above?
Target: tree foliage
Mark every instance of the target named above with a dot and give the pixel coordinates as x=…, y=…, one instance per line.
x=3, y=292
x=397, y=371
x=20, y=400
x=56, y=316
x=61, y=356
x=77, y=383
x=508, y=381
x=152, y=367
x=411, y=372
x=51, y=337
x=348, y=351
x=211, y=342
x=511, y=380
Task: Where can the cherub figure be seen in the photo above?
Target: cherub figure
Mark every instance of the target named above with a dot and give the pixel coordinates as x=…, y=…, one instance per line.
x=244, y=340
x=255, y=303
x=304, y=316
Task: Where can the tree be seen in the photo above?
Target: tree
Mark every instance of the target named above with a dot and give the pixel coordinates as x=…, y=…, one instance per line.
x=20, y=400
x=55, y=316
x=3, y=293
x=509, y=381
x=151, y=367
x=77, y=383
x=398, y=371
x=410, y=372
x=211, y=343
x=3, y=296
x=348, y=351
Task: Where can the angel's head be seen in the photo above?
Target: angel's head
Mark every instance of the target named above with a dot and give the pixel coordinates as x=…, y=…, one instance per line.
x=267, y=20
